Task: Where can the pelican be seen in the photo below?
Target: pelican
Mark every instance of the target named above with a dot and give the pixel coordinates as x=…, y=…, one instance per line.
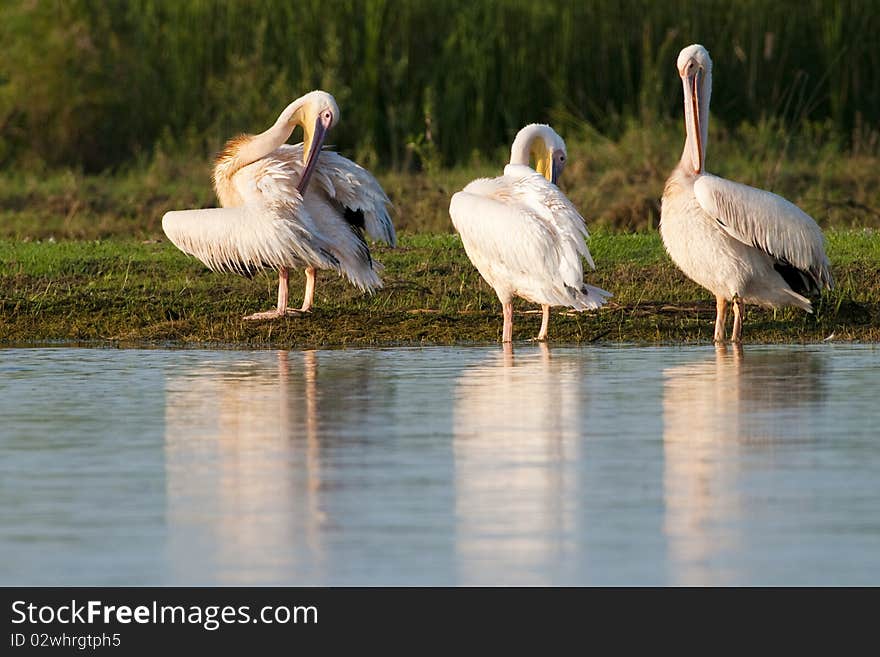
x=287, y=206
x=740, y=243
x=523, y=235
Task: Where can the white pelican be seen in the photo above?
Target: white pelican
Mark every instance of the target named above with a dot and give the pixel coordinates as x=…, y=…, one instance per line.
x=272, y=216
x=523, y=235
x=742, y=244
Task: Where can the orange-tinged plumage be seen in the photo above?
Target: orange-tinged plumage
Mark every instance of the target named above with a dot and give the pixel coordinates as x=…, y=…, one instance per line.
x=226, y=164
x=288, y=207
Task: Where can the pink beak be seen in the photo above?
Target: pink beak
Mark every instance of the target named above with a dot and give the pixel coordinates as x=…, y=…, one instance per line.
x=322, y=125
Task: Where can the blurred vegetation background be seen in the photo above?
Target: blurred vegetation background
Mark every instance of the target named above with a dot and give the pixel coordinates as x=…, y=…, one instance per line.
x=95, y=84
x=431, y=93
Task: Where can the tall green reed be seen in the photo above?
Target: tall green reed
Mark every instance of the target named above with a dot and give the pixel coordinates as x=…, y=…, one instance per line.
x=91, y=85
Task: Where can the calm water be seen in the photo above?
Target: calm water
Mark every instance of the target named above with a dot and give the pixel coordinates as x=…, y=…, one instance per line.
x=451, y=466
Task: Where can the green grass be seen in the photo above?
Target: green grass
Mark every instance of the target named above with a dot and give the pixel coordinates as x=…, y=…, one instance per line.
x=126, y=291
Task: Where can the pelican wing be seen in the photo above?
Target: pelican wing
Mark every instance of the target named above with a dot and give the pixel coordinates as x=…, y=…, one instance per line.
x=547, y=200
x=363, y=201
x=528, y=232
x=248, y=238
x=767, y=222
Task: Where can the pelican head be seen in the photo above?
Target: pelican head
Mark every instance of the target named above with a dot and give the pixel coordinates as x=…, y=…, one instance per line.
x=695, y=69
x=316, y=112
x=541, y=143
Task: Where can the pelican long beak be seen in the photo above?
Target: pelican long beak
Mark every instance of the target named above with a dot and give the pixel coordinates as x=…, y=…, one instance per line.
x=315, y=145
x=555, y=171
x=692, y=111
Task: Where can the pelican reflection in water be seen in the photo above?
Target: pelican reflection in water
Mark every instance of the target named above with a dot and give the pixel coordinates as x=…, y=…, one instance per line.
x=721, y=414
x=277, y=471
x=516, y=439
x=241, y=438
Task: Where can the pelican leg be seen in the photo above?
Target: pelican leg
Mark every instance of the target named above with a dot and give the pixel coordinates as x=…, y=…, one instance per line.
x=545, y=322
x=738, y=312
x=283, y=290
x=507, y=331
x=720, y=318
x=281, y=309
x=309, y=296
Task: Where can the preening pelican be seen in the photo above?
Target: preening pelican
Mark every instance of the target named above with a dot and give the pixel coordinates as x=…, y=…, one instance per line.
x=523, y=235
x=289, y=206
x=742, y=244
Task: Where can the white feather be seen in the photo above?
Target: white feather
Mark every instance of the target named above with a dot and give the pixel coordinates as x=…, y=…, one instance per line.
x=273, y=179
x=350, y=185
x=246, y=239
x=346, y=244
x=526, y=239
x=275, y=227
x=767, y=222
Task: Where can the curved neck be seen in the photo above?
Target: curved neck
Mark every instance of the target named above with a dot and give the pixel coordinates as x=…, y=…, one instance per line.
x=521, y=151
x=243, y=150
x=264, y=143
x=531, y=144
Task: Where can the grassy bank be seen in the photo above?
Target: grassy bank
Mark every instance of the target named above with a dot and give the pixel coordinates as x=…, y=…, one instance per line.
x=147, y=292
x=83, y=257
